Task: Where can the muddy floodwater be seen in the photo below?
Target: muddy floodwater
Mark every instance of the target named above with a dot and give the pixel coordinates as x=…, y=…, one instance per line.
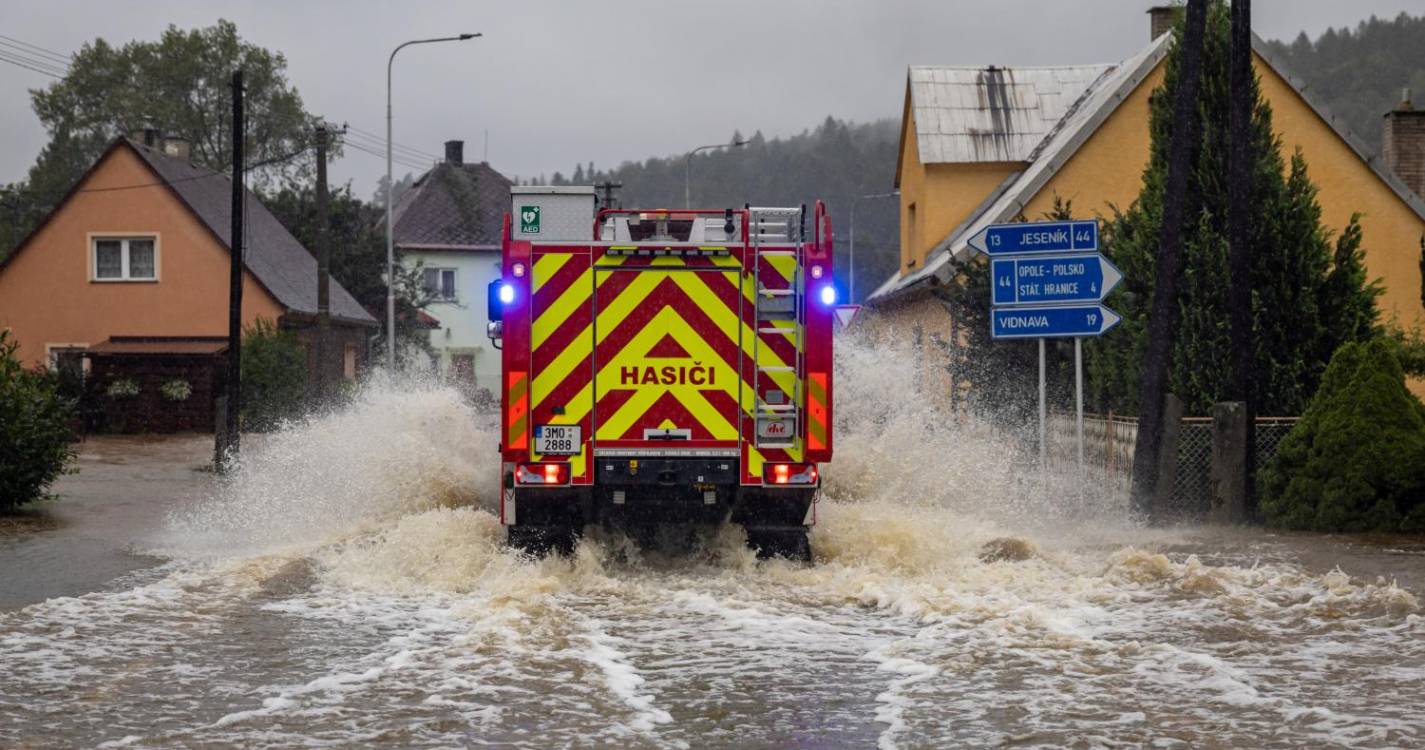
x=349, y=588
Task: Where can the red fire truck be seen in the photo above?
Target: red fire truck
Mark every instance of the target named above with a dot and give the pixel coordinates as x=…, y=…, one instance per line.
x=675, y=368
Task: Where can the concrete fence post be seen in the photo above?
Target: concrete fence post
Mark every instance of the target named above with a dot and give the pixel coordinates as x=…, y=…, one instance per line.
x=1168, y=457
x=1229, y=463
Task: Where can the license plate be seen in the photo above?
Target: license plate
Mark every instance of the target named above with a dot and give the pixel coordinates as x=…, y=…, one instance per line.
x=557, y=439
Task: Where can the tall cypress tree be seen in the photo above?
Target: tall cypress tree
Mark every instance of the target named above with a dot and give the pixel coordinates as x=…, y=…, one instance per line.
x=1306, y=300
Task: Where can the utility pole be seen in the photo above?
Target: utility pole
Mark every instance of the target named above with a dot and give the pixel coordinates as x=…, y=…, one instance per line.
x=1162, y=323
x=607, y=199
x=228, y=440
x=1239, y=136
x=324, y=253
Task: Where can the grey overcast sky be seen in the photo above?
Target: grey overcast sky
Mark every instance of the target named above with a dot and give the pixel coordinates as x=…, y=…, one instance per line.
x=555, y=83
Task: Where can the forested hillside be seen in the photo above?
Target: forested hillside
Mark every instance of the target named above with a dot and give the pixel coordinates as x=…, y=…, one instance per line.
x=1358, y=73
x=835, y=163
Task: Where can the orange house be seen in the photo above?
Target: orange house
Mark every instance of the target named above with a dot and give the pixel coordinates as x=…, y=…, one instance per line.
x=139, y=250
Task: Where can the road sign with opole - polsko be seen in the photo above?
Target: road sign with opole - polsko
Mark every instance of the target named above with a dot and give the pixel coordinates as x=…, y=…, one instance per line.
x=529, y=219
x=1048, y=279
x=1036, y=237
x=1051, y=322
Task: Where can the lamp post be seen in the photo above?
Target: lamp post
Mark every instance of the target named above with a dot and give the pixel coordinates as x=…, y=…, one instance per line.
x=688, y=168
x=390, y=236
x=851, y=272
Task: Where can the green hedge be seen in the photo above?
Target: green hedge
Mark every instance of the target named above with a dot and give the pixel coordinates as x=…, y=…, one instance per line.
x=35, y=435
x=274, y=377
x=1356, y=461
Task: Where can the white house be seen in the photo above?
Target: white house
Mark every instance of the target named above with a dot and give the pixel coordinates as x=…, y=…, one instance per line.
x=449, y=222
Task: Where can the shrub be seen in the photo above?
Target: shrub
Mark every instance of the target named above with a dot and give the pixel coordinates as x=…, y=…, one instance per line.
x=1356, y=461
x=175, y=390
x=274, y=376
x=34, y=429
x=122, y=389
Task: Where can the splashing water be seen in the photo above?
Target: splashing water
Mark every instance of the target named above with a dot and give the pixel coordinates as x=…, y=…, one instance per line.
x=349, y=586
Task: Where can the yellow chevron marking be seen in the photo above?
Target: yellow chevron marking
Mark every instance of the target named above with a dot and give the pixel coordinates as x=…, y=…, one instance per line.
x=579, y=347
x=667, y=322
x=626, y=302
x=545, y=266
x=550, y=319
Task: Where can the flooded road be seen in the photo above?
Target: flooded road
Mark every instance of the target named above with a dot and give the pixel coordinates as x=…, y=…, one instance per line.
x=349, y=588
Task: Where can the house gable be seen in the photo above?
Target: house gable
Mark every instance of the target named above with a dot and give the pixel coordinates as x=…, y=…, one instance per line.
x=47, y=296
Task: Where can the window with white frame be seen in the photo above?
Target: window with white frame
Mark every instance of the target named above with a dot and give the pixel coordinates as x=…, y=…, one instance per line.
x=440, y=283
x=125, y=258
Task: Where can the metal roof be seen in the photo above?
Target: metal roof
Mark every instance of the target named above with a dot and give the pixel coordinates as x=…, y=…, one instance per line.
x=1095, y=106
x=988, y=114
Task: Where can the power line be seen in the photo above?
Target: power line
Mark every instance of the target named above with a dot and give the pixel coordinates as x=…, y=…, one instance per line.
x=42, y=50
x=22, y=55
x=382, y=139
x=17, y=63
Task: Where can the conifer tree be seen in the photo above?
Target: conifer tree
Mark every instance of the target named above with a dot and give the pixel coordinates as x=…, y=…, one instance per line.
x=1307, y=300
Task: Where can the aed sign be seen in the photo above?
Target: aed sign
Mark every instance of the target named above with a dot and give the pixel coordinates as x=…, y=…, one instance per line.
x=529, y=219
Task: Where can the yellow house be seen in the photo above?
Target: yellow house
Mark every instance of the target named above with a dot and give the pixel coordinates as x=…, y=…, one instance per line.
x=984, y=145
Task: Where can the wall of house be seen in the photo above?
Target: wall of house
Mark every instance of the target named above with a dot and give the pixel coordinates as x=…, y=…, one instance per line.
x=943, y=196
x=149, y=411
x=463, y=322
x=47, y=297
x=1391, y=229
x=341, y=339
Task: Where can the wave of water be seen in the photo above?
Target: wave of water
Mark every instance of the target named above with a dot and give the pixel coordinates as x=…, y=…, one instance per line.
x=349, y=585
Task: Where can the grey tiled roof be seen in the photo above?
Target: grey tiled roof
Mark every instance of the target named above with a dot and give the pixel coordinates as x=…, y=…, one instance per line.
x=454, y=206
x=281, y=264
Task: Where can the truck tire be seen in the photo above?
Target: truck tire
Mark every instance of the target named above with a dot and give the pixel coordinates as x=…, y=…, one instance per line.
x=791, y=544
x=539, y=541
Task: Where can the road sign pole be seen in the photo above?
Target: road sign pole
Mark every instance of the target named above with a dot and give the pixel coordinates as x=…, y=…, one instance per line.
x=1043, y=410
x=1079, y=398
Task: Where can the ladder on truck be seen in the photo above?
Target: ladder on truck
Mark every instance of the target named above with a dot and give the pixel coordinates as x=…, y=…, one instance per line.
x=778, y=312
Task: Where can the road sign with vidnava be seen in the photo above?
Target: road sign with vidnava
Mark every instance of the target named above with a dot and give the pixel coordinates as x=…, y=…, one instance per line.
x=1053, y=279
x=1051, y=322
x=1027, y=238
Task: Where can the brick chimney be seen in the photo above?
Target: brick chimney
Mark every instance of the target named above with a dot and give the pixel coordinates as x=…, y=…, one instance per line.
x=1161, y=19
x=455, y=152
x=1404, y=144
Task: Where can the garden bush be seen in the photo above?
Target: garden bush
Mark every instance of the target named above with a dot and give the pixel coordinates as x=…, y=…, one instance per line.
x=35, y=434
x=274, y=376
x=1356, y=461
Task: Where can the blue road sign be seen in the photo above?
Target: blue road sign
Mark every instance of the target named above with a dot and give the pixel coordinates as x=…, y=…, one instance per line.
x=1051, y=322
x=1037, y=237
x=1054, y=278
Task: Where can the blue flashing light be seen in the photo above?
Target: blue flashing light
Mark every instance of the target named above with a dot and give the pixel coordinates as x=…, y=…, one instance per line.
x=828, y=295
x=507, y=293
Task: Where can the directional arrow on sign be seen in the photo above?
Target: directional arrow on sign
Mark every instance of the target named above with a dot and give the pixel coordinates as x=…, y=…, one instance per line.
x=1056, y=278
x=1036, y=237
x=1051, y=322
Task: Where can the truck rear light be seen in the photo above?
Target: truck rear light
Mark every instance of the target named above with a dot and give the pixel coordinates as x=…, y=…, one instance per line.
x=789, y=474
x=542, y=473
x=828, y=295
x=518, y=270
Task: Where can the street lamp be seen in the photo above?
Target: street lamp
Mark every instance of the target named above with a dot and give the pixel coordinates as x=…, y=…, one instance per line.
x=688, y=168
x=390, y=236
x=851, y=273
